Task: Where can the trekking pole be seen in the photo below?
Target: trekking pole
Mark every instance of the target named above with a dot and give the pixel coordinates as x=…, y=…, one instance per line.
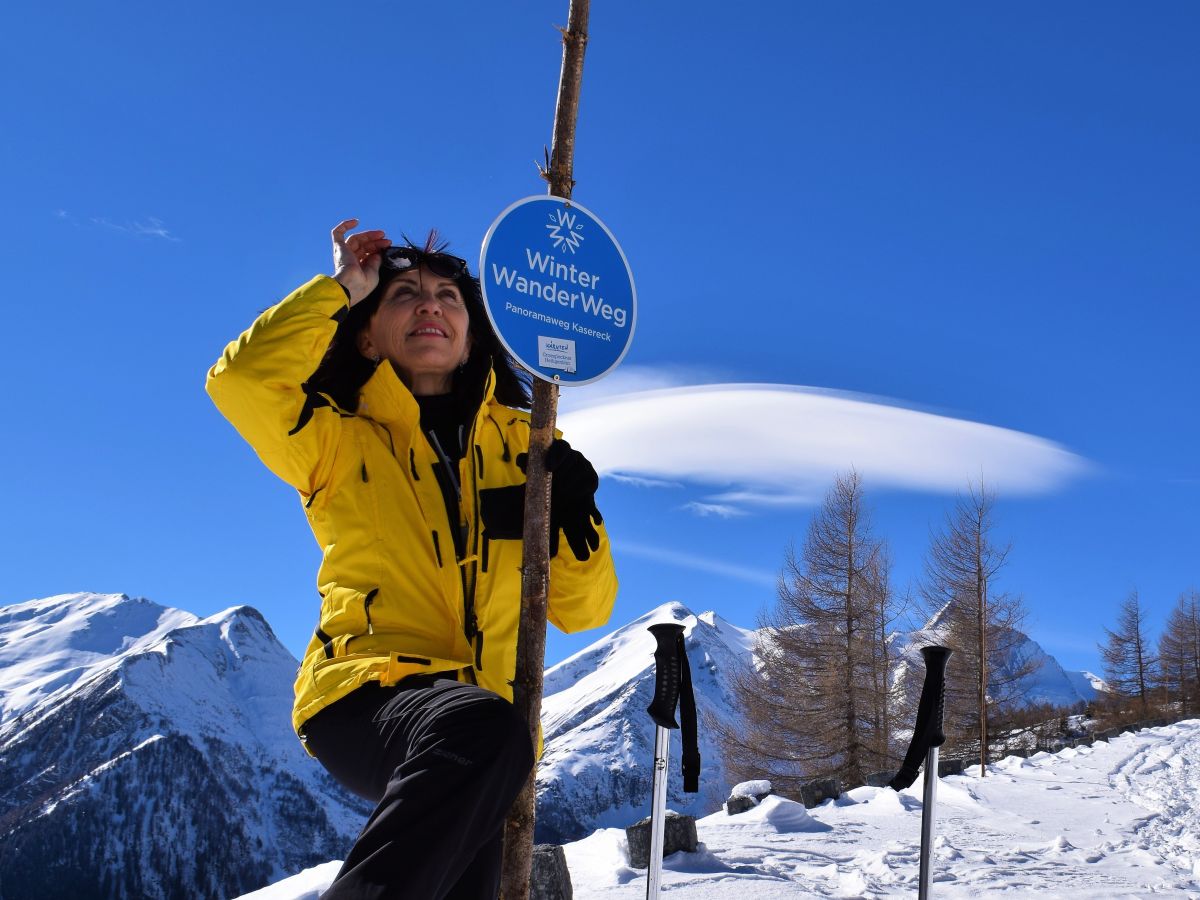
x=658, y=808
x=662, y=711
x=672, y=686
x=927, y=738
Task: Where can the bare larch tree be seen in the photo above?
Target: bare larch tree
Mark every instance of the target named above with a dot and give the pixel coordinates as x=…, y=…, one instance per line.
x=889, y=707
x=1179, y=655
x=1129, y=664
x=1184, y=627
x=981, y=624
x=818, y=703
x=1176, y=665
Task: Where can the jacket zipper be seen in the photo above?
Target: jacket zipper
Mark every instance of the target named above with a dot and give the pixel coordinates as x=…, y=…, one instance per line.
x=448, y=467
x=367, y=601
x=470, y=623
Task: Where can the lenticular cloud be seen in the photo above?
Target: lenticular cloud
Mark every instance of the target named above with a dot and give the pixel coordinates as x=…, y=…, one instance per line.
x=763, y=444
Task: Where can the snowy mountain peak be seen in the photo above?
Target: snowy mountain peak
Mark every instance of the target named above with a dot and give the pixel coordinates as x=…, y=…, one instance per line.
x=597, y=767
x=628, y=643
x=737, y=639
x=48, y=647
x=670, y=612
x=52, y=647
x=1097, y=683
x=1088, y=684
x=145, y=752
x=1046, y=682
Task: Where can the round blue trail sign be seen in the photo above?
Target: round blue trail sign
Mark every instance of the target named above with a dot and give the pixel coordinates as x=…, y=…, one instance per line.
x=558, y=290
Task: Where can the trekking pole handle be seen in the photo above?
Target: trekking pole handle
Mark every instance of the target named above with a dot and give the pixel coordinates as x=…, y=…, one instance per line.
x=935, y=680
x=927, y=733
x=666, y=674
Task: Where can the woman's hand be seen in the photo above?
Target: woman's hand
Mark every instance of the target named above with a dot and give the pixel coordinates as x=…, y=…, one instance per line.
x=572, y=503
x=356, y=259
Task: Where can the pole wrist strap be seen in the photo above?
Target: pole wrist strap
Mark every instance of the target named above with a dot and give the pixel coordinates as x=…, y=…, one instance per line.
x=687, y=721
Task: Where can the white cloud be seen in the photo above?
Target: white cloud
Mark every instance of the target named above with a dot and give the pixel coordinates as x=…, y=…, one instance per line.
x=700, y=563
x=150, y=227
x=644, y=482
x=723, y=510
x=781, y=445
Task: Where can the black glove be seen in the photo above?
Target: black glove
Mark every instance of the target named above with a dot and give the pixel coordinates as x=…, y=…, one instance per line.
x=572, y=503
x=572, y=498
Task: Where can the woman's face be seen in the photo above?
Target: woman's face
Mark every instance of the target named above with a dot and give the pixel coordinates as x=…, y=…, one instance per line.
x=421, y=327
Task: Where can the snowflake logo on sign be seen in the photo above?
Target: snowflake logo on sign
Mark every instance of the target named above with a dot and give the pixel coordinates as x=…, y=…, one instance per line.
x=563, y=230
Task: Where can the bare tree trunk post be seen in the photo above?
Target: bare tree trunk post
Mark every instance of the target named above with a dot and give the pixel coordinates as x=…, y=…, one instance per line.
x=854, y=764
x=981, y=583
x=1194, y=639
x=983, y=677
x=535, y=583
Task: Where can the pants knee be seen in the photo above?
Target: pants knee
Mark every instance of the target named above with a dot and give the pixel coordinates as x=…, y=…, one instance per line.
x=517, y=740
x=506, y=736
x=484, y=727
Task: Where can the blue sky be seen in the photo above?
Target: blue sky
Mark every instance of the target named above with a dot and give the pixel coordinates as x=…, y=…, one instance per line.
x=934, y=213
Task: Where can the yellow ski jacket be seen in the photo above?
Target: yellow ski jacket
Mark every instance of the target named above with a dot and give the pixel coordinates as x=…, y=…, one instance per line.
x=394, y=599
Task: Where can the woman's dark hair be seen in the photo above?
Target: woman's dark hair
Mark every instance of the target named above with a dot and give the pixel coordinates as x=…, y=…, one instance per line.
x=344, y=370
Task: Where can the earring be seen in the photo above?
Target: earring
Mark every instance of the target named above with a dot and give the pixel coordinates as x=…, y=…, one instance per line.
x=377, y=359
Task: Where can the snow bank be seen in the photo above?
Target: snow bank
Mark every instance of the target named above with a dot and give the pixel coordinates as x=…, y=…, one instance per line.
x=751, y=790
x=308, y=885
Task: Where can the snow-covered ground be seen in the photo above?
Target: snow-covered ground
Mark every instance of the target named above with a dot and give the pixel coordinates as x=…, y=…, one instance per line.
x=1119, y=819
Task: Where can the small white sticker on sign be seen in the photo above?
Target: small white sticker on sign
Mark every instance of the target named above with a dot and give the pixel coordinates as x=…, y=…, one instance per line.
x=556, y=353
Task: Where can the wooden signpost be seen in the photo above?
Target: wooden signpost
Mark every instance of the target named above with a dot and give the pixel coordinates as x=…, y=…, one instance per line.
x=531, y=641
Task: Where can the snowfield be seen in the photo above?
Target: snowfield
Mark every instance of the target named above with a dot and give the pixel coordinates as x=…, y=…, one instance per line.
x=1118, y=819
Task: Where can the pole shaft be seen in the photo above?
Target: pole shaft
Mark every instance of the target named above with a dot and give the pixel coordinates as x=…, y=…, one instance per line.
x=928, y=814
x=535, y=571
x=566, y=111
x=658, y=811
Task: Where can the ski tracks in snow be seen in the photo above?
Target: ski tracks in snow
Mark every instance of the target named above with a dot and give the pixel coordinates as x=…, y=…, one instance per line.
x=1118, y=819
x=1163, y=777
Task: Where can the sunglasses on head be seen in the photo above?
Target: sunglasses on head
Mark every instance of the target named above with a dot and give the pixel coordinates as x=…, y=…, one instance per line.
x=443, y=265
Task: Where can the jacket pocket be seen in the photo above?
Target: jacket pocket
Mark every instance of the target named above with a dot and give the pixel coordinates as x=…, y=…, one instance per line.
x=338, y=676
x=344, y=612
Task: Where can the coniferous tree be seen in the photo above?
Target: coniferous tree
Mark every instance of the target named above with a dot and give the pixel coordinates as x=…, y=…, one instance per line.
x=1176, y=673
x=892, y=708
x=1129, y=664
x=880, y=604
x=1179, y=655
x=981, y=624
x=818, y=705
x=1189, y=637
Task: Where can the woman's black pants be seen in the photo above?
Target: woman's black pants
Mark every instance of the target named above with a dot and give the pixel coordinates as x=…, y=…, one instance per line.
x=443, y=761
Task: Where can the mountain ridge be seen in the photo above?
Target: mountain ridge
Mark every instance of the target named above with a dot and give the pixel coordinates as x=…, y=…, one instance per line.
x=166, y=767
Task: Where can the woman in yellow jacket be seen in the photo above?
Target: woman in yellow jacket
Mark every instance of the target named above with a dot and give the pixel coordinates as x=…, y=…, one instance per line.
x=385, y=398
